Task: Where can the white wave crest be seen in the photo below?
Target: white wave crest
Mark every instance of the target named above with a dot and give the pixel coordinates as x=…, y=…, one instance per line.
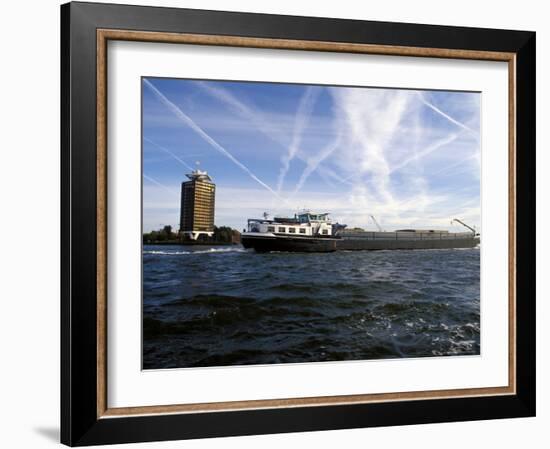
x=203, y=251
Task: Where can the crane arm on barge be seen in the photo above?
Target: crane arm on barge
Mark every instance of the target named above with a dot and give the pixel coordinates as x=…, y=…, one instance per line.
x=376, y=223
x=464, y=224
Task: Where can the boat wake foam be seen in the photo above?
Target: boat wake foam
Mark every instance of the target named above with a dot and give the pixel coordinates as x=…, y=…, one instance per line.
x=204, y=251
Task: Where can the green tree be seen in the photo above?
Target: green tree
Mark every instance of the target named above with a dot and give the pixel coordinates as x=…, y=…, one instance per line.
x=223, y=234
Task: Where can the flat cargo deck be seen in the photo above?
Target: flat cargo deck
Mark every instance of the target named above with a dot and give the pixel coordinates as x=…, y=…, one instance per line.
x=364, y=240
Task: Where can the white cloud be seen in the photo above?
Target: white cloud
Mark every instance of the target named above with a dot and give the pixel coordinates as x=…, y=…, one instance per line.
x=380, y=148
x=275, y=127
x=312, y=163
x=385, y=134
x=430, y=149
x=372, y=118
x=235, y=205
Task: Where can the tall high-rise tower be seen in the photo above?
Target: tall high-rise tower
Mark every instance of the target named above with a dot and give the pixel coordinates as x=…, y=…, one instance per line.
x=197, y=205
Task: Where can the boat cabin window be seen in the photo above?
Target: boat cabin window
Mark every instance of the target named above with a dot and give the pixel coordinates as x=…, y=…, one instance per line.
x=306, y=218
x=325, y=231
x=271, y=229
x=292, y=230
x=282, y=230
x=302, y=230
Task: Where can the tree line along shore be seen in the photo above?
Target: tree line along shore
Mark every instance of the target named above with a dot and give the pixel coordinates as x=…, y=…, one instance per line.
x=223, y=235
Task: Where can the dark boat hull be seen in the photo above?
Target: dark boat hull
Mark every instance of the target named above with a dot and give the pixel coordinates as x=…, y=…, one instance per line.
x=374, y=244
x=322, y=245
x=264, y=244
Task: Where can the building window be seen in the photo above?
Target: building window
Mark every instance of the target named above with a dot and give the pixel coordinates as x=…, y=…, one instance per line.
x=282, y=230
x=271, y=229
x=292, y=230
x=302, y=230
x=325, y=231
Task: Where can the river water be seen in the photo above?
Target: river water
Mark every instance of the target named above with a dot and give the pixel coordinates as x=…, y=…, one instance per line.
x=224, y=305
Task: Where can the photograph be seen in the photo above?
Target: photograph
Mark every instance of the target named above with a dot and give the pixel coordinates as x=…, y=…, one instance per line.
x=296, y=223
x=276, y=222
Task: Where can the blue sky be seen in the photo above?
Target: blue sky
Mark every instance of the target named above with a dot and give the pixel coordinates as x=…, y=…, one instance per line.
x=410, y=158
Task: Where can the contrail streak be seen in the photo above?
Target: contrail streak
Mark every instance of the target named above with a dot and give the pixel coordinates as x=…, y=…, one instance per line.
x=314, y=162
x=154, y=181
x=189, y=122
x=447, y=116
x=456, y=164
x=227, y=97
x=263, y=126
x=302, y=114
x=166, y=150
x=430, y=149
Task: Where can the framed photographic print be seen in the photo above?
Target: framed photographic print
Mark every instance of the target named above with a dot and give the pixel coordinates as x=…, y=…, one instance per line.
x=277, y=224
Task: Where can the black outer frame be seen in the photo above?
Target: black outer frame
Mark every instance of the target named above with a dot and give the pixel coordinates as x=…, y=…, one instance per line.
x=79, y=423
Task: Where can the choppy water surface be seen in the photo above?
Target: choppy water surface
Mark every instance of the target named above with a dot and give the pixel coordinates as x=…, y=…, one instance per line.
x=215, y=306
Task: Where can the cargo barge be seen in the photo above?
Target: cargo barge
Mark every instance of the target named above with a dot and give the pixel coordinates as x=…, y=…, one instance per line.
x=310, y=232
